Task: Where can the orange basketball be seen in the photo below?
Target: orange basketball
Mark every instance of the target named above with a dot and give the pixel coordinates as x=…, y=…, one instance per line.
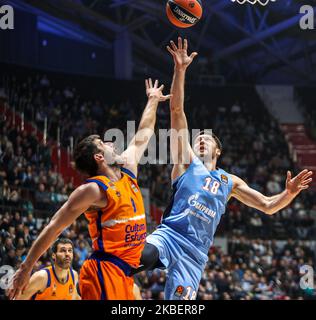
x=184, y=13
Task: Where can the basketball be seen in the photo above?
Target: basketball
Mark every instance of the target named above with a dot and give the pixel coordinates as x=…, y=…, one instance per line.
x=184, y=13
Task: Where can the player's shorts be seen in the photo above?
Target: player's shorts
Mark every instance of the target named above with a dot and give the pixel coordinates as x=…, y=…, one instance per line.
x=105, y=277
x=184, y=269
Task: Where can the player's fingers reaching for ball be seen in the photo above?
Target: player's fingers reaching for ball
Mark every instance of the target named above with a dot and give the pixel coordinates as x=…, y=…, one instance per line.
x=288, y=176
x=146, y=84
x=193, y=55
x=306, y=181
x=150, y=83
x=307, y=175
x=156, y=84
x=303, y=187
x=161, y=87
x=173, y=45
x=301, y=174
x=180, y=43
x=185, y=44
x=171, y=51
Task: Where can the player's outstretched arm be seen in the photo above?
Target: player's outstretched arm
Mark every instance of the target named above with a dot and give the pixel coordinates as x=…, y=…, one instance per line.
x=139, y=143
x=76, y=295
x=79, y=201
x=271, y=205
x=37, y=284
x=181, y=152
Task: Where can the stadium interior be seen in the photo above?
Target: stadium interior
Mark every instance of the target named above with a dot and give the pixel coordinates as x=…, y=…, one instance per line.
x=74, y=68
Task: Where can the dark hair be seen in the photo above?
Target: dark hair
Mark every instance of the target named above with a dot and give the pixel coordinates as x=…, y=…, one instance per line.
x=214, y=136
x=84, y=155
x=60, y=241
x=218, y=142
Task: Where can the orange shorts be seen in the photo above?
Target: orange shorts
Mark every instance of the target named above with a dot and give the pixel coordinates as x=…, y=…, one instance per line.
x=103, y=280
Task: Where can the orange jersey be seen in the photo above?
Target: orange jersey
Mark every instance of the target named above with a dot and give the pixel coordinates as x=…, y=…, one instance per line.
x=119, y=229
x=56, y=290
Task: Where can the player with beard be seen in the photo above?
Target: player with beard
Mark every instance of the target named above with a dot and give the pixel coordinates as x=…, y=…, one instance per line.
x=201, y=191
x=57, y=282
x=113, y=205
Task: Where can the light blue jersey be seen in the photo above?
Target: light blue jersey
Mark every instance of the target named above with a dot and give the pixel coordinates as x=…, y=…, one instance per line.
x=188, y=226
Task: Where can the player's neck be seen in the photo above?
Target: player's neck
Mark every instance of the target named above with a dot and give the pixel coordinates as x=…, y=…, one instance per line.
x=61, y=274
x=210, y=166
x=112, y=172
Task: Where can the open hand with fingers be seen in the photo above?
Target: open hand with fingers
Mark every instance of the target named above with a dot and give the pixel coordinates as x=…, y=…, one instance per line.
x=180, y=53
x=301, y=182
x=18, y=283
x=155, y=92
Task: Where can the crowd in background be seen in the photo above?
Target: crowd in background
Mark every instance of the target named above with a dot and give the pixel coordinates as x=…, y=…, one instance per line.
x=19, y=230
x=253, y=148
x=305, y=97
x=27, y=178
x=250, y=270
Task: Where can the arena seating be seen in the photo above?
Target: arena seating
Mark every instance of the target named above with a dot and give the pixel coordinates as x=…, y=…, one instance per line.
x=33, y=185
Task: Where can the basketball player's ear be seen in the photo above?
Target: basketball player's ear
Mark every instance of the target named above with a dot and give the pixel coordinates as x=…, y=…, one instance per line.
x=99, y=157
x=218, y=153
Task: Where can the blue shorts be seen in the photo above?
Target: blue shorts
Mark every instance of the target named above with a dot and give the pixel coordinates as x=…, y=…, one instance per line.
x=184, y=270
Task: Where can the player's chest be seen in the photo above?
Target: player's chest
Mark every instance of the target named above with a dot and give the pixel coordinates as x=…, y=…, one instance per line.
x=61, y=291
x=214, y=186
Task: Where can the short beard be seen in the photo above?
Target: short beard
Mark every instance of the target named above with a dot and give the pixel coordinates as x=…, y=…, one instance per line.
x=61, y=264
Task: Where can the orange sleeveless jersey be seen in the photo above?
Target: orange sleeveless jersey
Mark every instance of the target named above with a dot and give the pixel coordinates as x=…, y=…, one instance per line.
x=56, y=290
x=119, y=228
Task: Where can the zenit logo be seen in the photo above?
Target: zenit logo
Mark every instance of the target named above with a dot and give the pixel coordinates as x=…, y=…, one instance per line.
x=6, y=17
x=307, y=20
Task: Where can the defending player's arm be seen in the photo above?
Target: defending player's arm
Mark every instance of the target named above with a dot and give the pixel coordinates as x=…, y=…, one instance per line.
x=137, y=293
x=37, y=284
x=76, y=295
x=79, y=201
x=273, y=204
x=139, y=143
x=181, y=151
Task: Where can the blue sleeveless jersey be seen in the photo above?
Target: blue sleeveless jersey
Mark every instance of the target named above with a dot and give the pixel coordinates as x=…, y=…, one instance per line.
x=199, y=200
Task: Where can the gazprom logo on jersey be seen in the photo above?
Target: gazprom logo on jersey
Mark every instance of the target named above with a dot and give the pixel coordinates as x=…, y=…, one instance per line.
x=193, y=202
x=6, y=17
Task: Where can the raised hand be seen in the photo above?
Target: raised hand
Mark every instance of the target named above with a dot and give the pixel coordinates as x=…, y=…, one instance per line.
x=301, y=182
x=155, y=92
x=180, y=53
